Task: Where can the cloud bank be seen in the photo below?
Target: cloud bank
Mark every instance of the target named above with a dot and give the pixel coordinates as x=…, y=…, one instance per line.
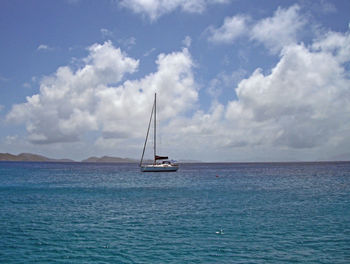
x=94, y=98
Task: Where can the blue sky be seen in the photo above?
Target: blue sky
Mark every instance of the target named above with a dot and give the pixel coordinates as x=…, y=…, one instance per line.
x=236, y=80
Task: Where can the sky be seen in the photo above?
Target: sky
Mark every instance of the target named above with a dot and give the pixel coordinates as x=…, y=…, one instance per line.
x=236, y=80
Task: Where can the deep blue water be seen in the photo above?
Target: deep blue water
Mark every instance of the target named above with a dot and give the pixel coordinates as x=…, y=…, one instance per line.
x=204, y=213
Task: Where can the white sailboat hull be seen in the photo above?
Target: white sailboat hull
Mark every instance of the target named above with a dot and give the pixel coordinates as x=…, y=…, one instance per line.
x=159, y=168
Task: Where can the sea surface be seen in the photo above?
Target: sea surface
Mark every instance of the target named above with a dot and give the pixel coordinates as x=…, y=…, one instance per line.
x=204, y=213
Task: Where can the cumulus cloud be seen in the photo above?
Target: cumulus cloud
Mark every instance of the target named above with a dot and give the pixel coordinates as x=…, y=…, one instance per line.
x=95, y=97
x=335, y=43
x=301, y=105
x=232, y=28
x=225, y=81
x=65, y=105
x=273, y=32
x=125, y=110
x=156, y=8
x=279, y=30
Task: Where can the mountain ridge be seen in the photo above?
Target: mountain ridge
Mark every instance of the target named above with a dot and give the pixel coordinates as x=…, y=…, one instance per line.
x=109, y=159
x=29, y=157
x=41, y=158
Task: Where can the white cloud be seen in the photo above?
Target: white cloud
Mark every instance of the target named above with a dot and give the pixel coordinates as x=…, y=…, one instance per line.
x=299, y=111
x=106, y=33
x=149, y=52
x=43, y=47
x=127, y=42
x=323, y=6
x=11, y=139
x=156, y=8
x=280, y=30
x=301, y=104
x=125, y=110
x=26, y=85
x=64, y=108
x=335, y=43
x=232, y=28
x=225, y=81
x=187, y=41
x=93, y=98
x=274, y=32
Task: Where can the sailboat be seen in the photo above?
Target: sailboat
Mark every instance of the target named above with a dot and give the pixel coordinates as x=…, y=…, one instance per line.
x=160, y=163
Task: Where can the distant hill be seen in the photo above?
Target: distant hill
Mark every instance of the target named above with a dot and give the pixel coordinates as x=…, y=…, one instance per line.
x=107, y=159
x=40, y=158
x=29, y=157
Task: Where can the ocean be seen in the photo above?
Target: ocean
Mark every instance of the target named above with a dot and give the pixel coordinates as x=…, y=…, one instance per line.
x=204, y=213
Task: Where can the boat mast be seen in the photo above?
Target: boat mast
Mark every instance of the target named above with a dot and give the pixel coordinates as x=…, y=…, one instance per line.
x=155, y=126
x=149, y=125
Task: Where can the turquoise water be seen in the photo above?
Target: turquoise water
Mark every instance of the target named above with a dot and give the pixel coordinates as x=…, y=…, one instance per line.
x=204, y=213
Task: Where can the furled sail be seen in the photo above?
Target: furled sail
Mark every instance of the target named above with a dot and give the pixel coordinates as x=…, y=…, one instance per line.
x=160, y=157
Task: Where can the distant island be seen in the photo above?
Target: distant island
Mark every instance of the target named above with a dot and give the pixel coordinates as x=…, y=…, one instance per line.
x=107, y=159
x=29, y=157
x=40, y=158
